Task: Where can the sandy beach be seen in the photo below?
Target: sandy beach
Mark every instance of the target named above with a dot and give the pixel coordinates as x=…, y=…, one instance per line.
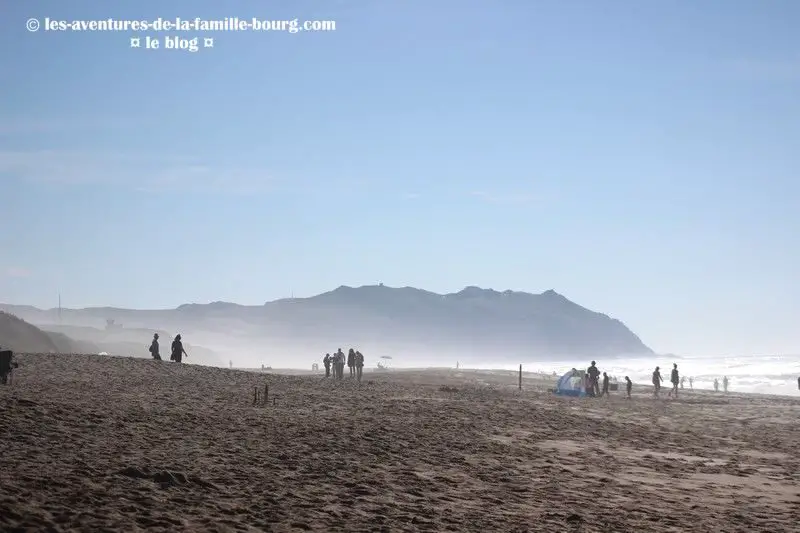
x=92, y=443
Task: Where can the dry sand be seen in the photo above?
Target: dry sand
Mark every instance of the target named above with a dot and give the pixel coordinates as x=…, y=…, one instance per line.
x=98, y=443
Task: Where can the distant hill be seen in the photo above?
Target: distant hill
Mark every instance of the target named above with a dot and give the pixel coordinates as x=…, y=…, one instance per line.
x=481, y=324
x=20, y=336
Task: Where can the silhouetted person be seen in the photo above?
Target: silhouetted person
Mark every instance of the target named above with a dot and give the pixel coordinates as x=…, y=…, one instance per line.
x=605, y=385
x=673, y=378
x=657, y=379
x=351, y=362
x=359, y=359
x=798, y=383
x=716, y=385
x=154, y=350
x=327, y=362
x=339, y=364
x=724, y=383
x=691, y=383
x=177, y=350
x=683, y=380
x=594, y=378
x=628, y=387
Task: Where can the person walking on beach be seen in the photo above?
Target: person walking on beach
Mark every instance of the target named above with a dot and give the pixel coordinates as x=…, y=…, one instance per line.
x=154, y=350
x=351, y=362
x=359, y=360
x=683, y=380
x=725, y=384
x=657, y=379
x=628, y=387
x=673, y=378
x=594, y=378
x=605, y=385
x=691, y=383
x=338, y=361
x=327, y=362
x=716, y=385
x=177, y=349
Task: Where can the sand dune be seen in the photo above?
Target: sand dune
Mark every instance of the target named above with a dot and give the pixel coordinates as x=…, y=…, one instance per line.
x=98, y=443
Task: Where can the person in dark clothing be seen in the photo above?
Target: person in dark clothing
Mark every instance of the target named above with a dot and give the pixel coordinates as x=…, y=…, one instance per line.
x=351, y=362
x=177, y=350
x=359, y=361
x=339, y=359
x=628, y=387
x=594, y=378
x=605, y=385
x=657, y=379
x=798, y=383
x=327, y=362
x=674, y=379
x=154, y=350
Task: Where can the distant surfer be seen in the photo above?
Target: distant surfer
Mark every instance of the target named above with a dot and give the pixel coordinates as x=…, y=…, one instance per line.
x=177, y=350
x=154, y=350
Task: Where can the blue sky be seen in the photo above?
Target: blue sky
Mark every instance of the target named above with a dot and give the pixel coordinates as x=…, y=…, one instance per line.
x=640, y=158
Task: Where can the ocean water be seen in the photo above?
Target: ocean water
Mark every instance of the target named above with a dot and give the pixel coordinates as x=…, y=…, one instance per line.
x=771, y=374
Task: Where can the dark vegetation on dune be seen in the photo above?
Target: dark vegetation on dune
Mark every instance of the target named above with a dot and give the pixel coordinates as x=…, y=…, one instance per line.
x=483, y=323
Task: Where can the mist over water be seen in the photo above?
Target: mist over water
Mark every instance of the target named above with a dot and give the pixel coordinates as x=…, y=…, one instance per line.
x=766, y=374
x=771, y=374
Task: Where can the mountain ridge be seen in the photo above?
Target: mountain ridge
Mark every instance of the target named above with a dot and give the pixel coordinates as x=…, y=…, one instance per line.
x=473, y=321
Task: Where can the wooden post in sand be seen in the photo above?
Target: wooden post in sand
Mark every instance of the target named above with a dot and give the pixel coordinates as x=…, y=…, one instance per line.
x=255, y=396
x=520, y=377
x=266, y=394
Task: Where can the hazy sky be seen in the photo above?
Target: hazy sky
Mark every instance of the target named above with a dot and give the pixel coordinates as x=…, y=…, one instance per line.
x=641, y=158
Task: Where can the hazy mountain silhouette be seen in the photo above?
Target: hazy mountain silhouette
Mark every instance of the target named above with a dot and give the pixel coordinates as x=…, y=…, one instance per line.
x=480, y=323
x=20, y=336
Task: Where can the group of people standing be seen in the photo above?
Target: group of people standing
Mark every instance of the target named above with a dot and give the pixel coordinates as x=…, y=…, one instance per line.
x=592, y=382
x=177, y=351
x=354, y=360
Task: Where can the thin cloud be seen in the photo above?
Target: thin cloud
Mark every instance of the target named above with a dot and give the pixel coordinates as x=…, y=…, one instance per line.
x=139, y=171
x=411, y=195
x=17, y=272
x=27, y=126
x=505, y=199
x=764, y=69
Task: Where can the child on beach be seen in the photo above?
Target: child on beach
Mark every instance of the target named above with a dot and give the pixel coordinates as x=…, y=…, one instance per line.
x=605, y=385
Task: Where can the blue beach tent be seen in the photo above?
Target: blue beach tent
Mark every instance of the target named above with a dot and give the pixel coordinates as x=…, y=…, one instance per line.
x=571, y=384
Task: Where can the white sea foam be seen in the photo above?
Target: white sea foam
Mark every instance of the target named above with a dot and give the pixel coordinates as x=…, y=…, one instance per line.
x=760, y=374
